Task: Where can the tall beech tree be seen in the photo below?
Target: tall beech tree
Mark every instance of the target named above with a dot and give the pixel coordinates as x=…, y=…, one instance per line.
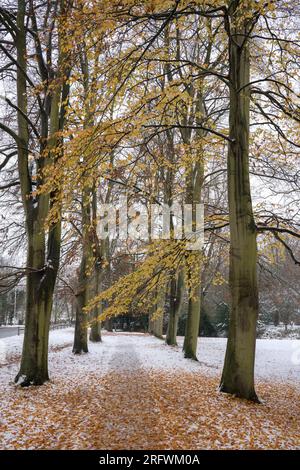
x=238, y=372
x=95, y=251
x=38, y=144
x=84, y=290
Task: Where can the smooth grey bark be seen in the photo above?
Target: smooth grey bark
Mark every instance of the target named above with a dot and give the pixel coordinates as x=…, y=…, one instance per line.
x=238, y=371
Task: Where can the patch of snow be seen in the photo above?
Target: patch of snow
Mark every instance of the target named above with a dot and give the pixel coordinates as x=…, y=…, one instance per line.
x=275, y=359
x=11, y=346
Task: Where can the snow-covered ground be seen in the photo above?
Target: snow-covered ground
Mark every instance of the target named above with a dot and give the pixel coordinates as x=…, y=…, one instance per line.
x=275, y=359
x=11, y=347
x=132, y=391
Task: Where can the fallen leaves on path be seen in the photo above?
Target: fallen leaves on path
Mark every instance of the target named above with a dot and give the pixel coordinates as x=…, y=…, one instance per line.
x=147, y=410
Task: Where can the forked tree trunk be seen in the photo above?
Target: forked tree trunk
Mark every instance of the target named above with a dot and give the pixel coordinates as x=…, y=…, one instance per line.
x=42, y=261
x=34, y=364
x=176, y=301
x=39, y=298
x=238, y=371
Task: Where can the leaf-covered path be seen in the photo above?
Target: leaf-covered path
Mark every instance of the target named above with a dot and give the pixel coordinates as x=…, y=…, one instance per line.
x=132, y=392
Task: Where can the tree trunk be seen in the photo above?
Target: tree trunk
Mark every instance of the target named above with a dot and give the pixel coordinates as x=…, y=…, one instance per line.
x=192, y=323
x=101, y=269
x=109, y=324
x=83, y=296
x=193, y=196
x=238, y=371
x=40, y=289
x=42, y=261
x=95, y=333
x=156, y=323
x=176, y=300
x=156, y=326
x=80, y=344
x=34, y=364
